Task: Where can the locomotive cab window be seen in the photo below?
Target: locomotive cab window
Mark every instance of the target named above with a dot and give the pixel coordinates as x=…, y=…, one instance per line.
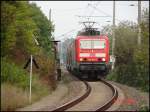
x=85, y=44
x=97, y=44
x=92, y=44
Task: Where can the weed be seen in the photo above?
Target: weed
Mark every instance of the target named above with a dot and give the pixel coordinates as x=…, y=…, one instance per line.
x=15, y=86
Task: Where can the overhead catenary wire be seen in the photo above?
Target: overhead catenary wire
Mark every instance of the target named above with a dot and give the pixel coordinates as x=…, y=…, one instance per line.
x=91, y=16
x=72, y=30
x=108, y=15
x=96, y=4
x=66, y=33
x=99, y=10
x=65, y=10
x=85, y=11
x=88, y=16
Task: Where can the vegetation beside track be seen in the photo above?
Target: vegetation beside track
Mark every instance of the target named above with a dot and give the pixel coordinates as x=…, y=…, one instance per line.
x=132, y=60
x=21, y=22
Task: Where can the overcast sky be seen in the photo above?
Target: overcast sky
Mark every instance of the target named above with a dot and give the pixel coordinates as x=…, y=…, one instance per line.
x=65, y=13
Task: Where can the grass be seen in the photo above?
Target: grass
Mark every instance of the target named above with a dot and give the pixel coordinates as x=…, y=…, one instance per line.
x=112, y=76
x=12, y=97
x=15, y=86
x=143, y=106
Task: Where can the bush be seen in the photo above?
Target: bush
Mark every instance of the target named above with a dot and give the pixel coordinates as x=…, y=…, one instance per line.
x=15, y=84
x=132, y=60
x=14, y=74
x=46, y=65
x=17, y=76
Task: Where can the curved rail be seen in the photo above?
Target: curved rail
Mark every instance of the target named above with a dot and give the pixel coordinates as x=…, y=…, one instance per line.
x=75, y=101
x=88, y=90
x=111, y=101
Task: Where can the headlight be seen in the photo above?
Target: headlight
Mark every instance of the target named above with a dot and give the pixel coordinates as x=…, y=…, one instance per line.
x=81, y=59
x=100, y=54
x=84, y=54
x=103, y=59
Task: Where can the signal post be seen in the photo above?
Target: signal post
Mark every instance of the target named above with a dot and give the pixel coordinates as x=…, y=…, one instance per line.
x=57, y=60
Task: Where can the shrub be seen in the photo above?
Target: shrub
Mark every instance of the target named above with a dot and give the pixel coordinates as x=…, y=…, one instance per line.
x=15, y=86
x=17, y=76
x=13, y=74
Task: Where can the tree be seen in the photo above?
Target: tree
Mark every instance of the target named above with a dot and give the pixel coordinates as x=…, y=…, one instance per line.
x=132, y=60
x=8, y=30
x=45, y=27
x=141, y=56
x=20, y=21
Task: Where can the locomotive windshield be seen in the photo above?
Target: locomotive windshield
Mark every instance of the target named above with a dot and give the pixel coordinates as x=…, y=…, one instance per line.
x=97, y=44
x=92, y=44
x=85, y=44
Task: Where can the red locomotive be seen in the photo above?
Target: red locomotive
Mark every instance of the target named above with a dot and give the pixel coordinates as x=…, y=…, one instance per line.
x=88, y=53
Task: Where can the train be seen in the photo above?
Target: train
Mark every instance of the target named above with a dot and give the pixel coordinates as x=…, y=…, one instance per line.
x=88, y=54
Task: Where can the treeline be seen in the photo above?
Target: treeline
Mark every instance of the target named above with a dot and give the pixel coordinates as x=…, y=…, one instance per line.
x=21, y=23
x=132, y=60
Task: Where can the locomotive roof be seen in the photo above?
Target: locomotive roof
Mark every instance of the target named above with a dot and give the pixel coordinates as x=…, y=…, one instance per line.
x=88, y=31
x=92, y=37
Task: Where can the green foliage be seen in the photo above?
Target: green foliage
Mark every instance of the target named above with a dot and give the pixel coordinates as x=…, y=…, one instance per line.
x=125, y=40
x=20, y=21
x=46, y=65
x=44, y=28
x=144, y=108
x=11, y=73
x=132, y=60
x=7, y=27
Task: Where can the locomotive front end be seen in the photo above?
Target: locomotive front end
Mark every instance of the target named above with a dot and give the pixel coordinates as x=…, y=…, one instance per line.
x=92, y=54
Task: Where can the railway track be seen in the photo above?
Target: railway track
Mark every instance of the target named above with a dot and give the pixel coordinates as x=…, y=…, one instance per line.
x=77, y=100
x=112, y=100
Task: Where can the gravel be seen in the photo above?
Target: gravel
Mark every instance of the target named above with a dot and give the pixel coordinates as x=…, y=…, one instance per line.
x=134, y=100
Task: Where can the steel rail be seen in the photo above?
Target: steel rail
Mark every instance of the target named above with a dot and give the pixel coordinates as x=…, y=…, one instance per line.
x=104, y=107
x=75, y=101
x=112, y=100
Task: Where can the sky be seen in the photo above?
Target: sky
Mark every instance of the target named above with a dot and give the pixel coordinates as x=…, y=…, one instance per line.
x=66, y=15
